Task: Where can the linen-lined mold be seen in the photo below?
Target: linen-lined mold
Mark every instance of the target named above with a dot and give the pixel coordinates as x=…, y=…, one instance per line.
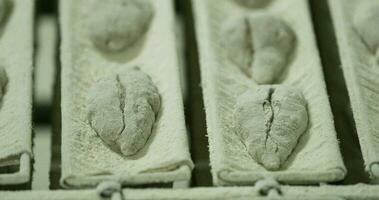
x=16, y=52
x=356, y=25
x=118, y=24
x=120, y=123
x=270, y=121
x=122, y=110
x=311, y=153
x=260, y=45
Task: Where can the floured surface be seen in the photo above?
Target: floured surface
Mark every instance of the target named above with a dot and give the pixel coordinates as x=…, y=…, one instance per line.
x=16, y=56
x=85, y=159
x=317, y=157
x=361, y=75
x=51, y=195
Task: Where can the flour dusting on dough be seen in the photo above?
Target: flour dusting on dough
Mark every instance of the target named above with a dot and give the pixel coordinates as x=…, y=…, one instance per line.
x=270, y=121
x=122, y=110
x=118, y=24
x=260, y=45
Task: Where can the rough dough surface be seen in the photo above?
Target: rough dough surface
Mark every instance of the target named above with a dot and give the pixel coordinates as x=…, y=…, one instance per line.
x=270, y=121
x=259, y=44
x=117, y=24
x=122, y=110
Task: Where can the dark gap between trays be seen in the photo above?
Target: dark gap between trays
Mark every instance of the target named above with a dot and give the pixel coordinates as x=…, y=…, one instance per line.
x=194, y=109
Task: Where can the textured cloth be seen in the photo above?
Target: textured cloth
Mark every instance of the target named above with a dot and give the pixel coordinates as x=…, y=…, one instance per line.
x=16, y=53
x=51, y=195
x=316, y=158
x=86, y=161
x=361, y=78
x=356, y=192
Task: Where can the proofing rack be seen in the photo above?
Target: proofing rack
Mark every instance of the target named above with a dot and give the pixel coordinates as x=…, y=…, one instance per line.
x=313, y=27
